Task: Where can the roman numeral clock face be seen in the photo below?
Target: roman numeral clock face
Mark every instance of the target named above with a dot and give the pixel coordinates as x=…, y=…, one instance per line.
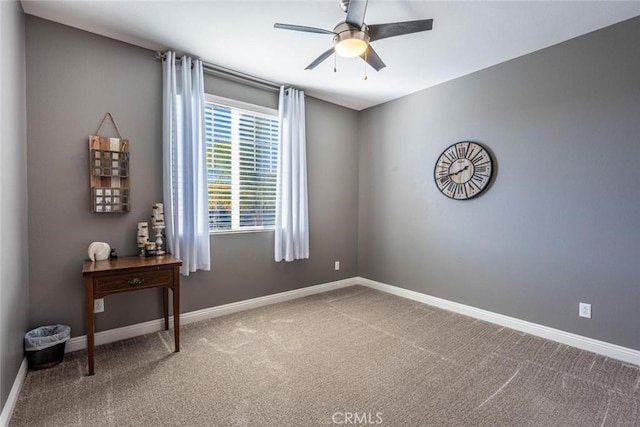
x=463, y=170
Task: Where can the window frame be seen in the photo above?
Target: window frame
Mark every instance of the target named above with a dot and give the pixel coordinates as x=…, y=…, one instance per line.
x=251, y=109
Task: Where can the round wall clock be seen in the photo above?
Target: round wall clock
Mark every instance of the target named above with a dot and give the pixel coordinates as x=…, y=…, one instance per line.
x=463, y=170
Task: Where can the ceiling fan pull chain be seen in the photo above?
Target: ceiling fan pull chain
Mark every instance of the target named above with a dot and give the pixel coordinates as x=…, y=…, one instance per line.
x=335, y=63
x=365, y=64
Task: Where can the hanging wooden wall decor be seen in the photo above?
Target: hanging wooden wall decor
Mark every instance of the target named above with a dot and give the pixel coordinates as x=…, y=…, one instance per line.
x=109, y=171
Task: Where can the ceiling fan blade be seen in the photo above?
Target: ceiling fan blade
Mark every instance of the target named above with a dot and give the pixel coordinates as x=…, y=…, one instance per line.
x=302, y=28
x=356, y=11
x=382, y=31
x=319, y=59
x=371, y=57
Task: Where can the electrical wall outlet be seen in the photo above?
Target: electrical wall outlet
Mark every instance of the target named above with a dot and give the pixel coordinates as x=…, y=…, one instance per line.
x=98, y=305
x=337, y=265
x=585, y=310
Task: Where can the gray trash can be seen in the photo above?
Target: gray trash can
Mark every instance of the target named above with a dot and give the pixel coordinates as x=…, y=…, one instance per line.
x=45, y=345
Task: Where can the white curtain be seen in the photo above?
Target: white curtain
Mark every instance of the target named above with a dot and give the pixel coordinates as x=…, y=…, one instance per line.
x=184, y=162
x=292, y=212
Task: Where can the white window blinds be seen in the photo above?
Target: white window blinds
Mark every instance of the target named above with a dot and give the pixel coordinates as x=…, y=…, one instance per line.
x=242, y=156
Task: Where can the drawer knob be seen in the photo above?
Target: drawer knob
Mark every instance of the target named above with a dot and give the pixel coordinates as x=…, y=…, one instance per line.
x=135, y=281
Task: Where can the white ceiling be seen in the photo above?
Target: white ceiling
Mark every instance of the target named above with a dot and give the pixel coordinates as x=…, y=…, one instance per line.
x=467, y=36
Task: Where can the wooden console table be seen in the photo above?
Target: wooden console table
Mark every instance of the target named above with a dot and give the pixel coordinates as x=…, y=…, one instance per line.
x=102, y=278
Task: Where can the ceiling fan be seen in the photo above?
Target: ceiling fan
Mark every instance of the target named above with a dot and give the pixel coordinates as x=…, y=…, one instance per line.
x=352, y=37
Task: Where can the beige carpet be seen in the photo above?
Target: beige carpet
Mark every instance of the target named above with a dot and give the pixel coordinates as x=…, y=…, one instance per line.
x=353, y=356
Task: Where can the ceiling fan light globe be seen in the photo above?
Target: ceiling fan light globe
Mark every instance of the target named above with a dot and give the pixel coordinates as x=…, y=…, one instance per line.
x=350, y=48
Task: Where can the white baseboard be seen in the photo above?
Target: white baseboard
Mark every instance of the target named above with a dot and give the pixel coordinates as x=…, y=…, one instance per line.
x=80, y=342
x=600, y=347
x=12, y=399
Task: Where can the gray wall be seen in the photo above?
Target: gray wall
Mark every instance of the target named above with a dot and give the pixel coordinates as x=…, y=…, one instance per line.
x=73, y=79
x=560, y=224
x=14, y=273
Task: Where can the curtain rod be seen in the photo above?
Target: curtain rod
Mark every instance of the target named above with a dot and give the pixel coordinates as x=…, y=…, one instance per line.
x=236, y=76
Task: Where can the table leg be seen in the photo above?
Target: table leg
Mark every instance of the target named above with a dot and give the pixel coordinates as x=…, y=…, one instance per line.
x=89, y=322
x=176, y=307
x=165, y=306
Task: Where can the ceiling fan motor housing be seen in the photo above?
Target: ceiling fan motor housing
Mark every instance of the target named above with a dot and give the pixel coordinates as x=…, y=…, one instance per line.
x=350, y=41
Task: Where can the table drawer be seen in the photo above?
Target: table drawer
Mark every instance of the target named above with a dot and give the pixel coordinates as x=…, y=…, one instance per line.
x=130, y=281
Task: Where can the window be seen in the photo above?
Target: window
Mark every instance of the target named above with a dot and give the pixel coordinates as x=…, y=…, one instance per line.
x=242, y=165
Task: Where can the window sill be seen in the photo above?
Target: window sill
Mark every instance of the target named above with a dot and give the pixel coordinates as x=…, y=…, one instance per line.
x=259, y=230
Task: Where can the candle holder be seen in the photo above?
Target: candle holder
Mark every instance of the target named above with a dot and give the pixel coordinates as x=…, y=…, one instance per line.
x=159, y=229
